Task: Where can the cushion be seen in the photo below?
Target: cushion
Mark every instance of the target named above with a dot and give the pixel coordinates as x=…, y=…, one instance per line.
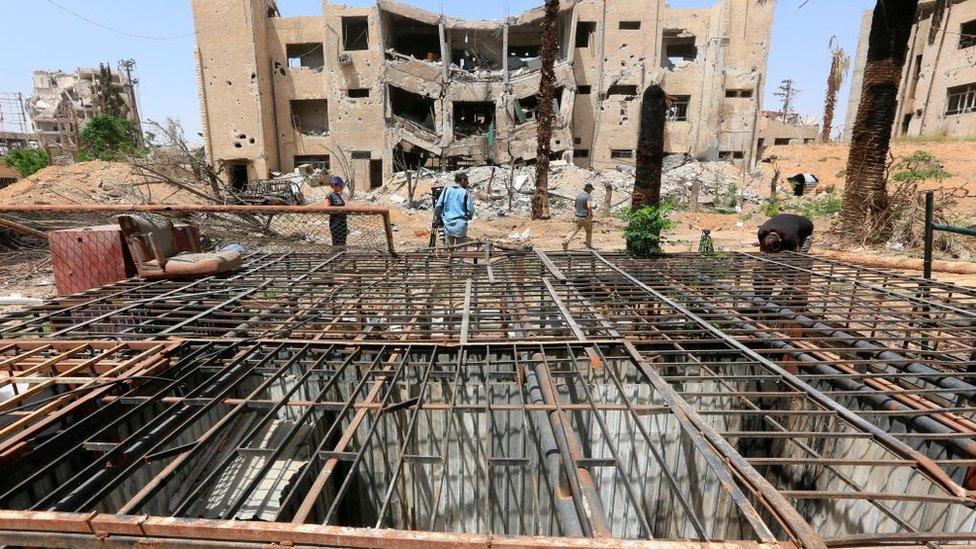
x=158, y=228
x=193, y=264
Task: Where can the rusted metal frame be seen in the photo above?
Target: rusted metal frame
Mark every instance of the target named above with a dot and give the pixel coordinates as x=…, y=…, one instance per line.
x=605, y=431
x=914, y=299
x=793, y=437
x=124, y=308
x=929, y=469
x=211, y=310
x=728, y=464
x=41, y=383
x=56, y=442
x=466, y=312
x=198, y=485
x=880, y=398
x=303, y=418
x=549, y=265
x=16, y=433
x=567, y=316
x=589, y=507
x=388, y=229
x=145, y=446
x=385, y=401
x=53, y=527
x=440, y=484
x=322, y=477
x=407, y=436
x=332, y=259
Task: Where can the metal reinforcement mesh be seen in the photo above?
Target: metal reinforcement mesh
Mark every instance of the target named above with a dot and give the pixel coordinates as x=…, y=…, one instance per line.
x=494, y=398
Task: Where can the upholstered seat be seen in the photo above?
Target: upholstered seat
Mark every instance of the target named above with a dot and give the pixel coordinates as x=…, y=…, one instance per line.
x=152, y=243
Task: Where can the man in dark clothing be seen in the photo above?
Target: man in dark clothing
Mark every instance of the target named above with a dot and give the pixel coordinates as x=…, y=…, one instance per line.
x=786, y=232
x=337, y=222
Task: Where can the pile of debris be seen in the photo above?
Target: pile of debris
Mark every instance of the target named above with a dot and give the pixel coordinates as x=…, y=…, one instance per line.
x=500, y=192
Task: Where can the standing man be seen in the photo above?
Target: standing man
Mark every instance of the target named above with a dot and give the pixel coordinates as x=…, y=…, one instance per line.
x=584, y=217
x=455, y=208
x=337, y=222
x=786, y=232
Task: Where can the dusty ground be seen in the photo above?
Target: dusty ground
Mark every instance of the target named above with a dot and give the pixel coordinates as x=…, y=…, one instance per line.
x=829, y=161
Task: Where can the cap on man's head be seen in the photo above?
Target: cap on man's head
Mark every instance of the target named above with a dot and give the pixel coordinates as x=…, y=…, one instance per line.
x=588, y=187
x=336, y=180
x=772, y=243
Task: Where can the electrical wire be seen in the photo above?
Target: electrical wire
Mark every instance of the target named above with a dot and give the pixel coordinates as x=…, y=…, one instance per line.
x=117, y=31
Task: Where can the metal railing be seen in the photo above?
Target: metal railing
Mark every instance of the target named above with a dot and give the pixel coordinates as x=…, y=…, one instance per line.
x=931, y=226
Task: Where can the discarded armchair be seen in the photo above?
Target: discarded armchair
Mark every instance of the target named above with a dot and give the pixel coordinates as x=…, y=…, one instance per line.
x=152, y=241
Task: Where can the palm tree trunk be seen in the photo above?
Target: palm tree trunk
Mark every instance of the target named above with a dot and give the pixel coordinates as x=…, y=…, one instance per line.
x=545, y=115
x=830, y=101
x=865, y=193
x=650, y=149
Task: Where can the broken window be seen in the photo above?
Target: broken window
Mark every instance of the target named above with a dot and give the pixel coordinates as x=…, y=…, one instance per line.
x=476, y=49
x=583, y=90
x=411, y=38
x=738, y=93
x=678, y=108
x=678, y=47
x=473, y=117
x=967, y=34
x=360, y=155
x=413, y=107
x=781, y=141
x=316, y=161
x=961, y=99
x=310, y=116
x=358, y=92
x=622, y=89
x=621, y=153
x=355, y=33
x=526, y=109
x=310, y=55
x=732, y=155
x=629, y=25
x=524, y=47
x=584, y=33
x=581, y=153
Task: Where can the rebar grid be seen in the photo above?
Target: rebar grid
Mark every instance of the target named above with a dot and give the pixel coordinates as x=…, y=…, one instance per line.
x=702, y=397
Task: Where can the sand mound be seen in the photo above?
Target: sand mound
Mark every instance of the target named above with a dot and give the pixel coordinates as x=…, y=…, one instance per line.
x=94, y=182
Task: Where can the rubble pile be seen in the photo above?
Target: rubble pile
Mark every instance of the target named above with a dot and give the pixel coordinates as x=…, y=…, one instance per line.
x=492, y=185
x=94, y=182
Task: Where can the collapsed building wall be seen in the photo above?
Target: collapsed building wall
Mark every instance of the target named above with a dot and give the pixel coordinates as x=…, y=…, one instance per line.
x=395, y=82
x=62, y=102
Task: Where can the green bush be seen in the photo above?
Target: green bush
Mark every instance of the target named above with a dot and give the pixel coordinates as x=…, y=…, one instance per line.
x=824, y=205
x=26, y=162
x=643, y=233
x=109, y=138
x=770, y=209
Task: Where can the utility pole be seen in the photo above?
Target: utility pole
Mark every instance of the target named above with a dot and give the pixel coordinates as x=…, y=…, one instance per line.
x=787, y=91
x=129, y=66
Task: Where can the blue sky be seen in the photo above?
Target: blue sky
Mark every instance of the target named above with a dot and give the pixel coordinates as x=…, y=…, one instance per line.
x=51, y=38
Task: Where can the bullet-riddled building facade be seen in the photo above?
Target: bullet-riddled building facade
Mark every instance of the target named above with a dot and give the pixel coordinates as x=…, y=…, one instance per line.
x=937, y=94
x=368, y=91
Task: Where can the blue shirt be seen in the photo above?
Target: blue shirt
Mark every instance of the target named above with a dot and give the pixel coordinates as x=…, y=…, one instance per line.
x=457, y=208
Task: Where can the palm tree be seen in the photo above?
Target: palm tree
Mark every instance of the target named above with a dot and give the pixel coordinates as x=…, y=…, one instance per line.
x=839, y=64
x=865, y=193
x=545, y=115
x=650, y=149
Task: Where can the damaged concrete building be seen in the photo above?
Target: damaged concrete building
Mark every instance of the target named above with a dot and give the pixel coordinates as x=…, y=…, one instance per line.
x=937, y=95
x=62, y=102
x=367, y=91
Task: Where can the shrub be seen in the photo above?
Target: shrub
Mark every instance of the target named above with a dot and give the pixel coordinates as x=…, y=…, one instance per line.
x=643, y=233
x=107, y=137
x=26, y=162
